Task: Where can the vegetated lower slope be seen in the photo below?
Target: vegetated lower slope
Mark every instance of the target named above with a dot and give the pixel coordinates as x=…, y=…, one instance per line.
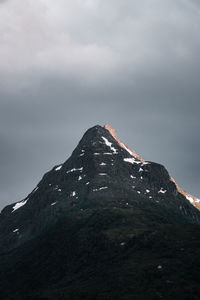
x=84, y=264
x=103, y=225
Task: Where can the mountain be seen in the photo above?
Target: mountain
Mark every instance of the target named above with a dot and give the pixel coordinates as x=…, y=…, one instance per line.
x=105, y=224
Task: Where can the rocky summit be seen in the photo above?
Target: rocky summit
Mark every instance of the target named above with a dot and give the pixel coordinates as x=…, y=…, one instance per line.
x=105, y=224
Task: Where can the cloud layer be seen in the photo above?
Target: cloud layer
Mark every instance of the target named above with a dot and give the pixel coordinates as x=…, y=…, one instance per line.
x=68, y=65
x=87, y=39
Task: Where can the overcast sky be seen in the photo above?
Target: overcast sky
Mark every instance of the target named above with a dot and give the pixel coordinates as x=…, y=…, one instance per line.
x=67, y=65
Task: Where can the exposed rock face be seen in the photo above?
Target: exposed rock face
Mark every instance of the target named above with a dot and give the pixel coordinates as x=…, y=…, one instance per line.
x=103, y=197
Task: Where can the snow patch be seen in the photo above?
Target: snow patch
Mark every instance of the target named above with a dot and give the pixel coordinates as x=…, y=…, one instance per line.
x=58, y=168
x=130, y=152
x=16, y=230
x=74, y=169
x=73, y=194
x=141, y=170
x=52, y=204
x=102, y=174
x=19, y=204
x=145, y=163
x=148, y=191
x=162, y=191
x=83, y=152
x=133, y=177
x=110, y=145
x=190, y=199
x=102, y=164
x=87, y=183
x=101, y=188
x=132, y=160
x=79, y=178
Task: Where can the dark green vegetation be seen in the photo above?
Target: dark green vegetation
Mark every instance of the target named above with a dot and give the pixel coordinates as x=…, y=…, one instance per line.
x=101, y=239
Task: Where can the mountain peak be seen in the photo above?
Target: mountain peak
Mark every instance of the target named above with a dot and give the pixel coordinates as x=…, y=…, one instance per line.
x=112, y=131
x=103, y=200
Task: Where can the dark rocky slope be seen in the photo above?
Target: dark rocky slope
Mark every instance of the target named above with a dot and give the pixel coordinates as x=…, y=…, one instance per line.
x=103, y=225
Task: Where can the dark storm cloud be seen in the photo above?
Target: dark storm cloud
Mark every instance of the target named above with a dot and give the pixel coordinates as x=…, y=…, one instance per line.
x=67, y=66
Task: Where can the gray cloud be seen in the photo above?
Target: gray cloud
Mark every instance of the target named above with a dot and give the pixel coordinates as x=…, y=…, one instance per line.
x=68, y=65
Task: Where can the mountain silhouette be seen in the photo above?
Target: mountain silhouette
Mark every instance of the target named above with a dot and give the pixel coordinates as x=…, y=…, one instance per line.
x=105, y=224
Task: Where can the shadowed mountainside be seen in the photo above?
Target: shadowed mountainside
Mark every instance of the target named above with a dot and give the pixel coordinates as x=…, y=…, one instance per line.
x=103, y=225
